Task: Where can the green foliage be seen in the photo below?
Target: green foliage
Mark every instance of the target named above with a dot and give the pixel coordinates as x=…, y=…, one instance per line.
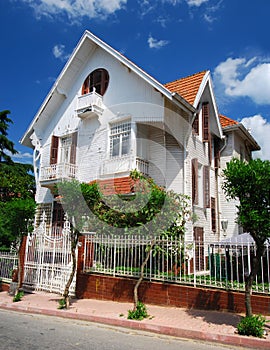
x=18, y=297
x=62, y=304
x=139, y=313
x=16, y=181
x=15, y=215
x=252, y=325
x=250, y=184
x=5, y=143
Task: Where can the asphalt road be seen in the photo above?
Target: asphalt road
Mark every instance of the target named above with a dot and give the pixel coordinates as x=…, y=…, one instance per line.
x=31, y=332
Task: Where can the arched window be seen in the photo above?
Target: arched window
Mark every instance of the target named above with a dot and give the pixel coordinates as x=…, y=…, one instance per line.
x=98, y=80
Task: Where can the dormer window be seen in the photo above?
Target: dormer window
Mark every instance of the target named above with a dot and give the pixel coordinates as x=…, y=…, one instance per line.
x=97, y=81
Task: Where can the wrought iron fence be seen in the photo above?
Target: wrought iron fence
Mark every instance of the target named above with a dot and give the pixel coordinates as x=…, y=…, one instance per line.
x=8, y=263
x=219, y=265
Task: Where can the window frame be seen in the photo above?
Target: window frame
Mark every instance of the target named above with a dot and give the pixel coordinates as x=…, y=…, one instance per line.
x=120, y=131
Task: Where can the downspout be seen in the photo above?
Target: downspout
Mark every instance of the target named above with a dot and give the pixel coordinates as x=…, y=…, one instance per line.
x=217, y=186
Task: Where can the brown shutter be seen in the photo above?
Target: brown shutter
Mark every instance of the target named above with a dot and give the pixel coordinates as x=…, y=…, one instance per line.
x=194, y=167
x=54, y=149
x=213, y=214
x=205, y=122
x=206, y=186
x=217, y=153
x=195, y=125
x=73, y=148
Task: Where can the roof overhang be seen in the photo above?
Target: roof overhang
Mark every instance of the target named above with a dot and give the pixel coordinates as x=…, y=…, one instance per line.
x=87, y=45
x=239, y=128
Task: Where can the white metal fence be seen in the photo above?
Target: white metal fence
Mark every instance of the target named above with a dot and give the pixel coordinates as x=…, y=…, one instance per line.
x=8, y=263
x=216, y=265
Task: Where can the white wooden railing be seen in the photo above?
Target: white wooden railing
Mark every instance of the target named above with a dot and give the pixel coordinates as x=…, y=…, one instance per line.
x=58, y=171
x=91, y=102
x=124, y=164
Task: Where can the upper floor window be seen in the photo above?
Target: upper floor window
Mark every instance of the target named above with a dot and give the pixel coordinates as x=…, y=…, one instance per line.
x=63, y=149
x=97, y=81
x=120, y=135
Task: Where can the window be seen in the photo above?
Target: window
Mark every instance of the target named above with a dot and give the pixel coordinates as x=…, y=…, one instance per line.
x=120, y=139
x=97, y=81
x=67, y=147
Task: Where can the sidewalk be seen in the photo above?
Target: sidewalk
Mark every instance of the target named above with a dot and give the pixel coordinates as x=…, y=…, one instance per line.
x=210, y=326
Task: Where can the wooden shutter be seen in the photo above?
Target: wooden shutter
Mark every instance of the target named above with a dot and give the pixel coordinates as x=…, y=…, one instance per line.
x=194, y=168
x=195, y=125
x=213, y=214
x=205, y=122
x=217, y=153
x=54, y=149
x=206, y=186
x=199, y=248
x=73, y=148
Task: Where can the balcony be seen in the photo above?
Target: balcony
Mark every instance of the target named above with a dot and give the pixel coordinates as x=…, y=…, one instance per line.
x=50, y=175
x=124, y=165
x=90, y=105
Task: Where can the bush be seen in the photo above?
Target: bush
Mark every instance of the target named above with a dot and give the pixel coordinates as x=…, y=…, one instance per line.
x=139, y=313
x=18, y=296
x=252, y=325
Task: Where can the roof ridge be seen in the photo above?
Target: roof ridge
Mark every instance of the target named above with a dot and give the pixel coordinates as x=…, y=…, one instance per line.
x=186, y=77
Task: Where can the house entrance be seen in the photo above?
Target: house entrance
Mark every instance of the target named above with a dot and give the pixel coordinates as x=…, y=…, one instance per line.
x=48, y=260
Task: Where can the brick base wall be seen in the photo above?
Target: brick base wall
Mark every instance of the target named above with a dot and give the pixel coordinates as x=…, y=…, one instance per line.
x=93, y=286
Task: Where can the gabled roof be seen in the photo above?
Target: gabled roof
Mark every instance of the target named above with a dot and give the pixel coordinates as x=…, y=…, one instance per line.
x=87, y=45
x=187, y=87
x=225, y=121
x=230, y=125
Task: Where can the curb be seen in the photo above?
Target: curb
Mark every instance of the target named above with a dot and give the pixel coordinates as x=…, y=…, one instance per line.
x=236, y=340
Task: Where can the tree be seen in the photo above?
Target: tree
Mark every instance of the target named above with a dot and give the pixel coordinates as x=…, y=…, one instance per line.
x=5, y=143
x=17, y=206
x=16, y=182
x=250, y=184
x=149, y=211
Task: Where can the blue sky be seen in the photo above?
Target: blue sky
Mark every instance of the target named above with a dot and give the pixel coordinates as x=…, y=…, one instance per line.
x=169, y=39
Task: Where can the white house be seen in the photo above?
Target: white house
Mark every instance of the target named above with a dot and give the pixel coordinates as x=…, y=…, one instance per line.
x=104, y=116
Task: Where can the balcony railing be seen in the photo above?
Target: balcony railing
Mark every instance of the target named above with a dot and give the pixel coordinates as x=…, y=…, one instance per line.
x=55, y=172
x=90, y=105
x=124, y=165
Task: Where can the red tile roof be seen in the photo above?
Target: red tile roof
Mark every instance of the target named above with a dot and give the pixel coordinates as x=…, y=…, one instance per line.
x=225, y=121
x=121, y=185
x=187, y=87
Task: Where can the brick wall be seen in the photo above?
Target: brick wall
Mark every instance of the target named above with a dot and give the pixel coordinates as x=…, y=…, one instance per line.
x=93, y=286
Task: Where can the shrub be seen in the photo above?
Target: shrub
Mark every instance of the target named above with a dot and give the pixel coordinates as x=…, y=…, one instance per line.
x=18, y=296
x=139, y=313
x=252, y=325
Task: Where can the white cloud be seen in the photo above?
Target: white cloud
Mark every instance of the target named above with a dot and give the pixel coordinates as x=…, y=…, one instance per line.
x=76, y=9
x=59, y=52
x=260, y=130
x=196, y=3
x=245, y=78
x=156, y=44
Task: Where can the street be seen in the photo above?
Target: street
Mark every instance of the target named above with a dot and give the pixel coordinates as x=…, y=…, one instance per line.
x=31, y=332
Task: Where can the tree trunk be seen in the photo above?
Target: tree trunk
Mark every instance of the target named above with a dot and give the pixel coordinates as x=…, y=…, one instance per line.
x=135, y=292
x=251, y=277
x=74, y=240
x=19, y=285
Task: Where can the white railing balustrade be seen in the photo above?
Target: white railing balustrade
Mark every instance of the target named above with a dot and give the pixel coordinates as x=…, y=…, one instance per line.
x=8, y=263
x=143, y=166
x=58, y=171
x=194, y=263
x=90, y=103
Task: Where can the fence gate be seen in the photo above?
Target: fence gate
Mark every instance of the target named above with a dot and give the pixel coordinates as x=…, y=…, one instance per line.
x=48, y=260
